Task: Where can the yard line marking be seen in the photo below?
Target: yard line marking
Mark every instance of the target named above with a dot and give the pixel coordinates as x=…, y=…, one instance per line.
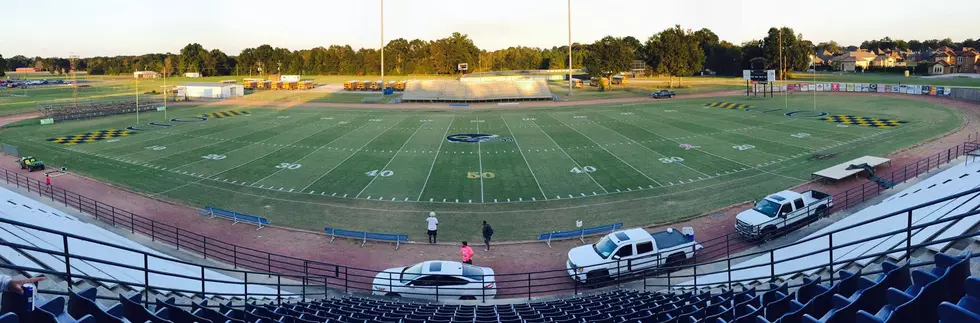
x=242, y=147
x=647, y=148
x=566, y=154
x=441, y=141
x=512, y=135
x=392, y=158
x=480, y=156
x=352, y=154
x=603, y=148
x=315, y=150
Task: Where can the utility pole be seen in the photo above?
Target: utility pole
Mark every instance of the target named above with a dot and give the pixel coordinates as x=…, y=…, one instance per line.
x=570, y=48
x=383, y=47
x=139, y=76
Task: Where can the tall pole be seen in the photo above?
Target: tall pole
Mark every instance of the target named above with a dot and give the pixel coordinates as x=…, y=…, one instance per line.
x=165, y=90
x=383, y=47
x=813, y=63
x=138, y=98
x=570, y=48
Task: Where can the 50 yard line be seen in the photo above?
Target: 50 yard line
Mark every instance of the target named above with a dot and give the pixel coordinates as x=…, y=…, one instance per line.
x=525, y=157
x=479, y=155
x=443, y=140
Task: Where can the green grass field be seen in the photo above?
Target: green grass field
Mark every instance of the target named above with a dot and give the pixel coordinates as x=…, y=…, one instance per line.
x=537, y=170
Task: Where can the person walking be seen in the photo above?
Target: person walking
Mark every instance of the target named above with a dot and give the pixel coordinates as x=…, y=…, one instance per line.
x=47, y=179
x=467, y=253
x=433, y=225
x=487, y=233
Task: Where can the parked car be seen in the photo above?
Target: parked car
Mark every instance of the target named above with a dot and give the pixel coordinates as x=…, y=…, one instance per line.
x=630, y=251
x=663, y=94
x=437, y=280
x=782, y=212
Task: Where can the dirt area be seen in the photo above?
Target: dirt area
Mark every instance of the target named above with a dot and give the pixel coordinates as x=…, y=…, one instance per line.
x=505, y=259
x=11, y=119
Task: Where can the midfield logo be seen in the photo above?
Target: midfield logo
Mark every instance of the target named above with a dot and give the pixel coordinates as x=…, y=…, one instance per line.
x=473, y=138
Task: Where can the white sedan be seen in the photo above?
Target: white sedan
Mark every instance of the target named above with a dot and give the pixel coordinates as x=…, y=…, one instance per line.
x=437, y=280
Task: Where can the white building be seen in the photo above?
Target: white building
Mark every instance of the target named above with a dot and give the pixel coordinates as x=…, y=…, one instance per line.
x=192, y=74
x=212, y=90
x=145, y=74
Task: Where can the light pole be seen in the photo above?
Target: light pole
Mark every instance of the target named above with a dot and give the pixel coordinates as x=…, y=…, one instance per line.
x=813, y=64
x=382, y=48
x=570, y=48
x=138, y=77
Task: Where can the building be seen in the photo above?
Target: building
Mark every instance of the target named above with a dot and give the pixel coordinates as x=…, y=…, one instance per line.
x=146, y=74
x=945, y=60
x=851, y=60
x=192, y=74
x=212, y=90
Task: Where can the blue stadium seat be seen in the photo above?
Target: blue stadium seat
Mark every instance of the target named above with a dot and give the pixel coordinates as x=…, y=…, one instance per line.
x=952, y=313
x=84, y=303
x=178, y=314
x=135, y=312
x=53, y=311
x=9, y=318
x=967, y=307
x=810, y=289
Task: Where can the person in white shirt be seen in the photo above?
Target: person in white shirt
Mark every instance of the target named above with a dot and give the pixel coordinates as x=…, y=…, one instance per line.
x=8, y=284
x=432, y=226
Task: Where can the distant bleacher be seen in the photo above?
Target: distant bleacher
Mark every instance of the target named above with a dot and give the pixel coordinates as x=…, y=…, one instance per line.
x=578, y=233
x=476, y=90
x=364, y=236
x=235, y=216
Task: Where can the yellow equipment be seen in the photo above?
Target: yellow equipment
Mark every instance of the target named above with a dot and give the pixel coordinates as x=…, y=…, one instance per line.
x=577, y=83
x=359, y=85
x=375, y=86
x=349, y=85
x=390, y=84
x=263, y=84
x=619, y=80
x=289, y=85
x=249, y=84
x=400, y=85
x=306, y=85
x=276, y=85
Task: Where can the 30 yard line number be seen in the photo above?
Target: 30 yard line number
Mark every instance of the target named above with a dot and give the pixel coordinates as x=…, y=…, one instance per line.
x=743, y=147
x=289, y=166
x=382, y=173
x=668, y=160
x=156, y=147
x=214, y=157
x=583, y=170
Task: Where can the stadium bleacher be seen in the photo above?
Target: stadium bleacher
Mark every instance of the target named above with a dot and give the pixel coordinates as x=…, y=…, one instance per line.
x=897, y=294
x=106, y=258
x=476, y=90
x=89, y=108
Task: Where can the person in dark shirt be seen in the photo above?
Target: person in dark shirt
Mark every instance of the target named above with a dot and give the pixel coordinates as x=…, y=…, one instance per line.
x=487, y=233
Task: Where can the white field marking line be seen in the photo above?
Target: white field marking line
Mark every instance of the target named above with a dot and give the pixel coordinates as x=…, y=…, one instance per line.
x=421, y=124
x=352, y=153
x=719, y=112
x=441, y=141
x=248, y=145
x=315, y=150
x=512, y=135
x=808, y=149
x=184, y=130
x=648, y=148
x=479, y=154
x=782, y=166
x=577, y=165
x=731, y=160
x=607, y=150
x=705, y=136
x=242, y=164
x=740, y=129
x=182, y=149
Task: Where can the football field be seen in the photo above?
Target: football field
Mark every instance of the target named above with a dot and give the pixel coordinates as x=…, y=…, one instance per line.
x=528, y=170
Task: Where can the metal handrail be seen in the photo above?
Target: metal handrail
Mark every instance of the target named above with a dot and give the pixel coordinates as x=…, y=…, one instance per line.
x=253, y=261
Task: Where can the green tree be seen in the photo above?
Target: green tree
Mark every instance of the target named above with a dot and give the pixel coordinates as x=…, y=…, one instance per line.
x=607, y=56
x=795, y=51
x=674, y=52
x=3, y=64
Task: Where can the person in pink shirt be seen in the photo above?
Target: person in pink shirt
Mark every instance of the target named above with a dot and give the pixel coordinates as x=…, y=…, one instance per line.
x=467, y=253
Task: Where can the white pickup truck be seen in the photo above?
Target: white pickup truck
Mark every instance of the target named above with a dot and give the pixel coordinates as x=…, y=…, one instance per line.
x=781, y=212
x=630, y=251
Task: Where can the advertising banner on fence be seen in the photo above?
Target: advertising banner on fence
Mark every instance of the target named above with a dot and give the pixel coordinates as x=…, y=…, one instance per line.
x=865, y=87
x=932, y=90
x=925, y=90
x=805, y=87
x=909, y=89
x=820, y=87
x=947, y=90
x=850, y=87
x=872, y=87
x=826, y=87
x=835, y=87
x=896, y=89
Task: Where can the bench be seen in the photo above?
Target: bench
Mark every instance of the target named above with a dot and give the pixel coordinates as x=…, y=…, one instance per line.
x=365, y=236
x=579, y=233
x=213, y=212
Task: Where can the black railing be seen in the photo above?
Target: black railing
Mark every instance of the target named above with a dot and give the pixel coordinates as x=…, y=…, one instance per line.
x=247, y=261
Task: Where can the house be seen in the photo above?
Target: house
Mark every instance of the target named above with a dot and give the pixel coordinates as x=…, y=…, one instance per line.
x=940, y=67
x=146, y=74
x=851, y=60
x=884, y=60
x=211, y=90
x=967, y=61
x=945, y=61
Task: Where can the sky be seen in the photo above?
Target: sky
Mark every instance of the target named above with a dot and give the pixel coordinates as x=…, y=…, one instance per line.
x=132, y=27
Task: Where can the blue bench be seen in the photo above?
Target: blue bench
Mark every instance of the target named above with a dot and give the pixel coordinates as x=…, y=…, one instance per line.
x=365, y=236
x=213, y=212
x=578, y=233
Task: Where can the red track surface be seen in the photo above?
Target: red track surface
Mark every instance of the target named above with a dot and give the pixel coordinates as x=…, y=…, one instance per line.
x=507, y=258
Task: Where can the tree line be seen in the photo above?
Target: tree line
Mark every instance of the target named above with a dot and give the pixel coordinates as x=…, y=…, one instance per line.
x=674, y=51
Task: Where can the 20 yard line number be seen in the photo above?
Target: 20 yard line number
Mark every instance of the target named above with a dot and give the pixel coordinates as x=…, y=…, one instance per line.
x=583, y=170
